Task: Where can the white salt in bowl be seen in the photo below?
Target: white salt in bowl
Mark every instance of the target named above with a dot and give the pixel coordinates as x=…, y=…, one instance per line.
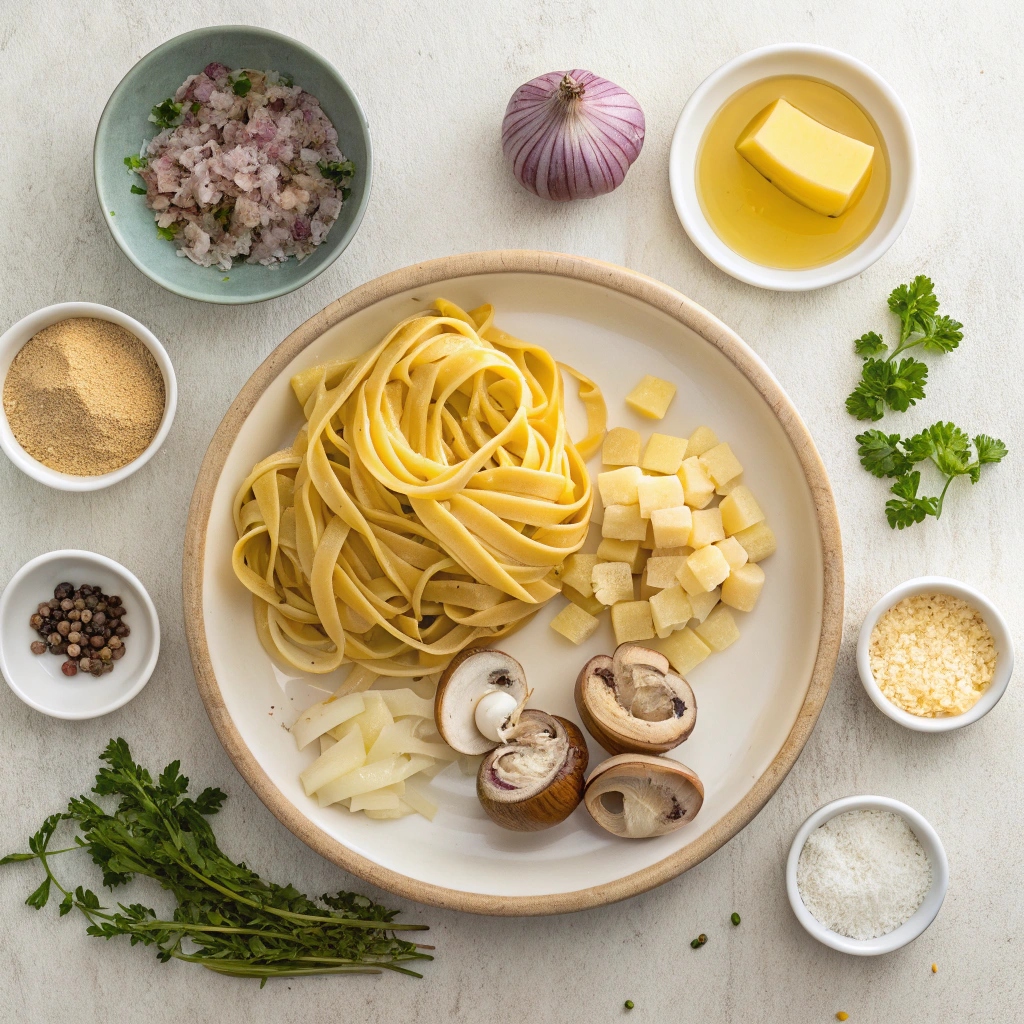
x=14, y=339
x=923, y=916
x=996, y=625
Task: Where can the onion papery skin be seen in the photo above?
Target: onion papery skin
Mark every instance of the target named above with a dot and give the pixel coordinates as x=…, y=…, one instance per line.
x=571, y=135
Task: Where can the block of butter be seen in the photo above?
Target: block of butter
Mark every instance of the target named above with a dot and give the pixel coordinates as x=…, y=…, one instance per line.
x=820, y=168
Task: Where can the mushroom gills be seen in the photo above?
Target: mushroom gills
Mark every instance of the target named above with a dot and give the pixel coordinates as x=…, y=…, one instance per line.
x=535, y=778
x=637, y=796
x=633, y=702
x=476, y=697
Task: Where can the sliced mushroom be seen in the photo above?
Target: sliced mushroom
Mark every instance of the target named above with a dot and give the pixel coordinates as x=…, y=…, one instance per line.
x=476, y=698
x=535, y=778
x=633, y=702
x=637, y=796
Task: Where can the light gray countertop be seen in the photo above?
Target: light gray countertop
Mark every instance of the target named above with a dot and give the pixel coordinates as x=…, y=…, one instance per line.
x=434, y=78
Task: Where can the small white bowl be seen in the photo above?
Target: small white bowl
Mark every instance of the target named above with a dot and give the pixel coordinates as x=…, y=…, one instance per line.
x=37, y=678
x=996, y=625
x=923, y=916
x=11, y=344
x=837, y=69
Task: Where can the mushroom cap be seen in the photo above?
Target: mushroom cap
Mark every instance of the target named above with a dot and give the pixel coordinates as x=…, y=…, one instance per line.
x=535, y=779
x=637, y=796
x=632, y=702
x=471, y=675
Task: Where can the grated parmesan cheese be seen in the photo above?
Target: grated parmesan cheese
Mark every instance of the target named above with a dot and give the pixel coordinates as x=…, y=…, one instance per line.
x=932, y=655
x=863, y=873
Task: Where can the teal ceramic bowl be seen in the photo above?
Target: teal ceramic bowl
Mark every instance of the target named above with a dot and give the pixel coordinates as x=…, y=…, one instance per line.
x=124, y=125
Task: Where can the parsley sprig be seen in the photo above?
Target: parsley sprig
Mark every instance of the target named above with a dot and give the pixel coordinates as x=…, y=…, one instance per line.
x=943, y=444
x=226, y=918
x=166, y=114
x=899, y=385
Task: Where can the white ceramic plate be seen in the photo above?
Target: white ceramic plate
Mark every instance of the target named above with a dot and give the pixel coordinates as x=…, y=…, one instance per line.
x=757, y=701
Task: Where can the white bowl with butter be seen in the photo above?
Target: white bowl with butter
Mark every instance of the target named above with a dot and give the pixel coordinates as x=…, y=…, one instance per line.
x=845, y=73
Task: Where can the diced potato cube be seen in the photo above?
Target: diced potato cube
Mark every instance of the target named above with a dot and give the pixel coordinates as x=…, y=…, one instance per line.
x=659, y=492
x=733, y=551
x=631, y=620
x=651, y=397
x=697, y=485
x=702, y=440
x=720, y=464
x=688, y=581
x=590, y=605
x=575, y=624
x=610, y=550
x=758, y=541
x=621, y=447
x=740, y=510
x=670, y=610
x=648, y=541
x=618, y=486
x=576, y=570
x=709, y=566
x=728, y=488
x=707, y=528
x=623, y=522
x=664, y=572
x=743, y=587
x=663, y=454
x=612, y=582
x=645, y=590
x=597, y=510
x=703, y=603
x=719, y=629
x=671, y=552
x=672, y=526
x=684, y=650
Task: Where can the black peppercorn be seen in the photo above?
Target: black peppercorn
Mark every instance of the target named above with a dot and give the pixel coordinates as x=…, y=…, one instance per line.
x=66, y=605
x=75, y=615
x=123, y=631
x=86, y=615
x=117, y=654
x=96, y=642
x=99, y=618
x=64, y=627
x=79, y=603
x=63, y=590
x=44, y=610
x=114, y=600
x=91, y=601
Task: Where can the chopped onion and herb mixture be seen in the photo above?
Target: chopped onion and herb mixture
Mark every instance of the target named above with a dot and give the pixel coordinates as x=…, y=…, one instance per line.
x=247, y=165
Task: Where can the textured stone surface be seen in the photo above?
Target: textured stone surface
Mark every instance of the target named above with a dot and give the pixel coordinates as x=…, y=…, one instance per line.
x=434, y=78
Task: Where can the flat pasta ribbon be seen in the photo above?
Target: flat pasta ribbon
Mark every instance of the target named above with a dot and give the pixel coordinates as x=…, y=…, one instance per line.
x=425, y=502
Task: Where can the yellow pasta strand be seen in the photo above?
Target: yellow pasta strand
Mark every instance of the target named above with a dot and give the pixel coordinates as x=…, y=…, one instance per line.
x=431, y=490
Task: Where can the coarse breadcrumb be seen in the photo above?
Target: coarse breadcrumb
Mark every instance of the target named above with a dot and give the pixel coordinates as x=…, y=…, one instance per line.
x=932, y=655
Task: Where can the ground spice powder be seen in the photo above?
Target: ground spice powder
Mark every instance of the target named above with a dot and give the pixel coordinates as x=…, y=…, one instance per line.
x=84, y=396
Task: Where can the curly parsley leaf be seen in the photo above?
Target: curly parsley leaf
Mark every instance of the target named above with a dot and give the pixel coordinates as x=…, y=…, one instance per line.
x=168, y=232
x=944, y=336
x=166, y=114
x=135, y=163
x=907, y=508
x=884, y=383
x=880, y=454
x=990, y=449
x=870, y=344
x=915, y=304
x=337, y=172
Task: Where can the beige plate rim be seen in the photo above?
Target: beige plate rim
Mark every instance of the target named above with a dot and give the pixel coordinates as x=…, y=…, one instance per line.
x=628, y=283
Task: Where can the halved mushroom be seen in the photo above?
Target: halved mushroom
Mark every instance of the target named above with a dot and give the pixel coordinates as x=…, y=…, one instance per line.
x=535, y=778
x=476, y=697
x=633, y=702
x=637, y=796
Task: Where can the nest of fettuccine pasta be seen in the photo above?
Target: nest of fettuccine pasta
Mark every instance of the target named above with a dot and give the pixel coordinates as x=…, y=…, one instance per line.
x=424, y=504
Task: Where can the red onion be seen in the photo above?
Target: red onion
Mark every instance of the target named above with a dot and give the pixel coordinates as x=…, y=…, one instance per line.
x=571, y=135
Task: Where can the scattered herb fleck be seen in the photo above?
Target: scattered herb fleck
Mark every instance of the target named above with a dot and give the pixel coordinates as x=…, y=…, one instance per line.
x=138, y=190
x=168, y=232
x=241, y=85
x=337, y=172
x=225, y=278
x=135, y=163
x=628, y=1004
x=735, y=918
x=166, y=114
x=227, y=918
x=699, y=941
x=196, y=107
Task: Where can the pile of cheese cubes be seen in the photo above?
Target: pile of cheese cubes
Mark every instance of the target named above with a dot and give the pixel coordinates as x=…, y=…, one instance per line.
x=672, y=566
